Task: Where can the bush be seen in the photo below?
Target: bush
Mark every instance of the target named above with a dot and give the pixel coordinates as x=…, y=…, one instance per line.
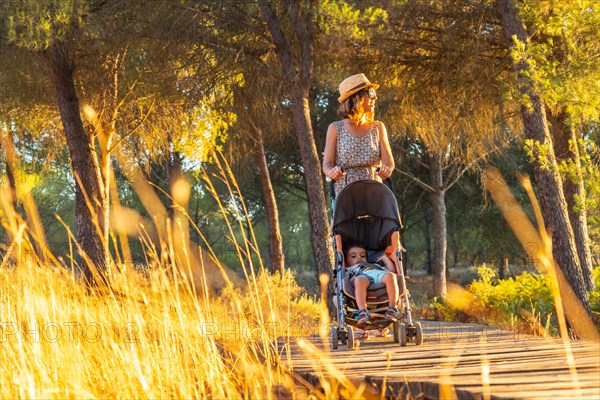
x=524, y=302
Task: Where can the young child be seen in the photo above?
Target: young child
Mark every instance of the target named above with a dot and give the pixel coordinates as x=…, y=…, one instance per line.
x=363, y=275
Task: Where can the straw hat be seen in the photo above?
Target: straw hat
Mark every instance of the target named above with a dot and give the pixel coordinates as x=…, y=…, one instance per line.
x=353, y=84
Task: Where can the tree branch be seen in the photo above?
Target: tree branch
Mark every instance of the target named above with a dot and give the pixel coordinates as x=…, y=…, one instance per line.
x=419, y=182
x=304, y=31
x=469, y=166
x=132, y=130
x=278, y=38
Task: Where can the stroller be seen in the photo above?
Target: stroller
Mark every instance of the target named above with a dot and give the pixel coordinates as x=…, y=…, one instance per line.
x=366, y=212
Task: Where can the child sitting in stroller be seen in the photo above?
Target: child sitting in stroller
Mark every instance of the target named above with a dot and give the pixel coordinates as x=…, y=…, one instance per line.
x=363, y=274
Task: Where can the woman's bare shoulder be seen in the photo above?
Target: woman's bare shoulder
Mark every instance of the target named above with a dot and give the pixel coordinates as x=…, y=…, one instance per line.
x=380, y=127
x=376, y=125
x=333, y=127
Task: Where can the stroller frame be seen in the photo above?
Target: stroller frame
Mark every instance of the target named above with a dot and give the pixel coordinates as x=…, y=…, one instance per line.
x=361, y=207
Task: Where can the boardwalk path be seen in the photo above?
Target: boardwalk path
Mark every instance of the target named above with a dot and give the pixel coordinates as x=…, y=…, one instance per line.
x=459, y=360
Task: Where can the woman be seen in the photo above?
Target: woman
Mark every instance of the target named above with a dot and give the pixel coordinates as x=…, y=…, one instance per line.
x=357, y=147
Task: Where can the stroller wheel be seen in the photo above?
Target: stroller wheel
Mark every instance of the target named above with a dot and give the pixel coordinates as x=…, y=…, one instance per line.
x=334, y=338
x=402, y=334
x=418, y=334
x=350, y=337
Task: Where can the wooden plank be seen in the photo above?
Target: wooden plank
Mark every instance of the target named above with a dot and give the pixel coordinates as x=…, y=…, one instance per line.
x=429, y=351
x=431, y=390
x=516, y=368
x=525, y=368
x=515, y=358
x=474, y=377
x=398, y=356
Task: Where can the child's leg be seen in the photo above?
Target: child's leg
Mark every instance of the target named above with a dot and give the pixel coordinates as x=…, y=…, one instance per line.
x=391, y=286
x=361, y=283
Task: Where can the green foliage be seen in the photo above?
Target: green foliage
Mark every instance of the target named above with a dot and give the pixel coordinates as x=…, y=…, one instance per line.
x=539, y=153
x=334, y=15
x=446, y=311
x=37, y=25
x=524, y=302
x=349, y=28
x=511, y=300
x=202, y=129
x=595, y=294
x=563, y=54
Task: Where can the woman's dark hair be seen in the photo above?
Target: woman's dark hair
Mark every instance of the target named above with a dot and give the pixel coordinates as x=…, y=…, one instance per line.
x=350, y=106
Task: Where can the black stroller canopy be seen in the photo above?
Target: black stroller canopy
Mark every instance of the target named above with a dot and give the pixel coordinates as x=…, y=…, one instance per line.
x=366, y=211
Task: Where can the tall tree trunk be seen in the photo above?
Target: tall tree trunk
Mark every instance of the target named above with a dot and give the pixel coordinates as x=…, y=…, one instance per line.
x=104, y=142
x=319, y=225
x=178, y=208
x=174, y=173
x=428, y=251
x=275, y=242
x=438, y=203
x=122, y=237
x=503, y=270
x=483, y=253
x=567, y=149
x=89, y=199
x=552, y=200
x=12, y=168
x=298, y=74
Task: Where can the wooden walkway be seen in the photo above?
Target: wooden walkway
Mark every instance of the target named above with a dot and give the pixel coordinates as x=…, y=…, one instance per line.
x=461, y=361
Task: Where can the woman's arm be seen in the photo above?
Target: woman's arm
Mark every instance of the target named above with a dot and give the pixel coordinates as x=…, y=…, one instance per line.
x=387, y=159
x=329, y=168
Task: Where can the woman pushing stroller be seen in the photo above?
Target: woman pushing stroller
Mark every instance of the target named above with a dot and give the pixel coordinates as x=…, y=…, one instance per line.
x=357, y=158
x=356, y=148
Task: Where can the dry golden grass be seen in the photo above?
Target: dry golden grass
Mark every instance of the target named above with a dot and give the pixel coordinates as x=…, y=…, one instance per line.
x=148, y=338
x=157, y=331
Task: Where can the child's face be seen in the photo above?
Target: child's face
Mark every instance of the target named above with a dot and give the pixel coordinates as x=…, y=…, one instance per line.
x=356, y=255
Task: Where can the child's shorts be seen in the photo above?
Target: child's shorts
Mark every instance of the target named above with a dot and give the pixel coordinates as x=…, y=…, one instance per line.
x=374, y=275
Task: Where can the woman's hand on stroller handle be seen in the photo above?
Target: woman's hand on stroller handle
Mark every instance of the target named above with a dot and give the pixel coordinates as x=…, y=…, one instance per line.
x=336, y=173
x=384, y=172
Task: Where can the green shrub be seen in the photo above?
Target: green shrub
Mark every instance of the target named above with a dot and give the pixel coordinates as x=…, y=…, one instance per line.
x=524, y=302
x=595, y=294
